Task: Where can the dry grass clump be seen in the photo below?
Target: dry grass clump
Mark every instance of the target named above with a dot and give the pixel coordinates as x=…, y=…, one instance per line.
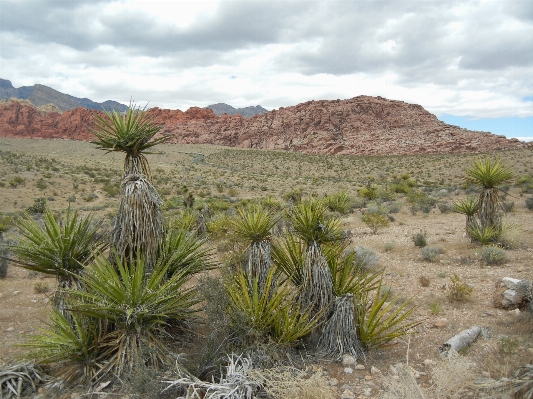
x=449, y=380
x=290, y=383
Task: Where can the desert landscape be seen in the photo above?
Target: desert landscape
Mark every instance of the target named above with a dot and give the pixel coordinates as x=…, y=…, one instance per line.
x=221, y=179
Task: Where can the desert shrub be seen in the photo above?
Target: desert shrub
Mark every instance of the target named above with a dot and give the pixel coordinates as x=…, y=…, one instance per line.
x=424, y=281
x=431, y=254
x=39, y=206
x=294, y=196
x=16, y=181
x=508, y=206
x=5, y=224
x=40, y=287
x=41, y=184
x=112, y=190
x=459, y=291
x=529, y=203
x=420, y=201
x=511, y=235
x=389, y=246
x=375, y=221
x=419, y=239
x=493, y=255
x=365, y=257
x=232, y=192
x=90, y=197
x=370, y=192
x=444, y=207
x=339, y=202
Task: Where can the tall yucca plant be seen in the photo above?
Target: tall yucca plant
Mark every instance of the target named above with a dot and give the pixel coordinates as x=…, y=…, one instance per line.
x=489, y=174
x=254, y=224
x=131, y=133
x=309, y=221
x=469, y=207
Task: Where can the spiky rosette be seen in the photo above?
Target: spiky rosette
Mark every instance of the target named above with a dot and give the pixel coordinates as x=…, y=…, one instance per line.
x=138, y=225
x=259, y=263
x=339, y=335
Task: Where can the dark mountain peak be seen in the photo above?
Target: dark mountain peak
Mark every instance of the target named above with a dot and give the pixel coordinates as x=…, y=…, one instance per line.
x=247, y=112
x=40, y=95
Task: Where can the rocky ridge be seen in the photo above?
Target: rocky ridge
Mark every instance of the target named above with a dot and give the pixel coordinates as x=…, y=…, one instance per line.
x=221, y=109
x=359, y=126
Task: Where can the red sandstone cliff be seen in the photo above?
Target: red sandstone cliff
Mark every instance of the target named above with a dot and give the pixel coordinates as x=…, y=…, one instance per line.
x=361, y=126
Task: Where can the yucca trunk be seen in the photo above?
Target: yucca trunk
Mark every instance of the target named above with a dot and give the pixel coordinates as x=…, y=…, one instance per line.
x=339, y=335
x=317, y=290
x=471, y=223
x=488, y=209
x=138, y=225
x=259, y=263
x=137, y=165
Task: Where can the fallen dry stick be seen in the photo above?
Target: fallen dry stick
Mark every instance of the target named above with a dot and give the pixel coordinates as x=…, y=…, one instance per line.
x=460, y=341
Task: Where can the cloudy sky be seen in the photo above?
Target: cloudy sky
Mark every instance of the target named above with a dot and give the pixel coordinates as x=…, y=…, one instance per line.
x=469, y=62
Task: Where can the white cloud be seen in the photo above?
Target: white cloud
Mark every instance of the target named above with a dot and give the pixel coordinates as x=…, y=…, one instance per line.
x=455, y=57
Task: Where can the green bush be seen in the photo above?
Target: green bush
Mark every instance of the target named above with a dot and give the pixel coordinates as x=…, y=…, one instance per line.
x=493, y=255
x=41, y=184
x=459, y=290
x=3, y=261
x=529, y=203
x=431, y=254
x=16, y=181
x=419, y=239
x=39, y=206
x=375, y=221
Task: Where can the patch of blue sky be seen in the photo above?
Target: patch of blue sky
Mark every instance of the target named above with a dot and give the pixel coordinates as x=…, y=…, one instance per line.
x=511, y=127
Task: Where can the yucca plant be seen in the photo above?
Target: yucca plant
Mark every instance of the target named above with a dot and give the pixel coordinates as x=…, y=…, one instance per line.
x=309, y=221
x=288, y=254
x=338, y=202
x=483, y=235
x=254, y=225
x=273, y=312
x=138, y=224
x=381, y=318
x=75, y=343
x=489, y=174
x=468, y=207
x=184, y=251
x=138, y=305
x=131, y=133
x=349, y=276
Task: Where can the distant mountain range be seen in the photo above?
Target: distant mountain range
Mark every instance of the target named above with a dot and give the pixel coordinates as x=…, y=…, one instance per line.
x=40, y=95
x=221, y=109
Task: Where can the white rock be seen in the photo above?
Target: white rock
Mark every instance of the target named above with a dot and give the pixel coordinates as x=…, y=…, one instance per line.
x=393, y=370
x=348, y=370
x=375, y=371
x=360, y=367
x=367, y=392
x=333, y=382
x=347, y=394
x=348, y=360
x=429, y=362
x=9, y=329
x=16, y=292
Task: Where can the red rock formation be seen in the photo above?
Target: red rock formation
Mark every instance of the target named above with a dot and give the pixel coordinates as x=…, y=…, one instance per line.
x=362, y=126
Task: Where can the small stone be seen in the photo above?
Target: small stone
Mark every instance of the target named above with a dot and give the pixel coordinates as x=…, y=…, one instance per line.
x=348, y=360
x=429, y=363
x=485, y=374
x=9, y=329
x=333, y=382
x=393, y=370
x=368, y=377
x=367, y=392
x=347, y=394
x=16, y=292
x=439, y=323
x=360, y=367
x=515, y=312
x=34, y=300
x=348, y=370
x=375, y=371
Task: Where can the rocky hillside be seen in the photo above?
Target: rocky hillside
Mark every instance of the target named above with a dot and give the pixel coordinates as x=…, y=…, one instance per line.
x=359, y=126
x=221, y=109
x=40, y=95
